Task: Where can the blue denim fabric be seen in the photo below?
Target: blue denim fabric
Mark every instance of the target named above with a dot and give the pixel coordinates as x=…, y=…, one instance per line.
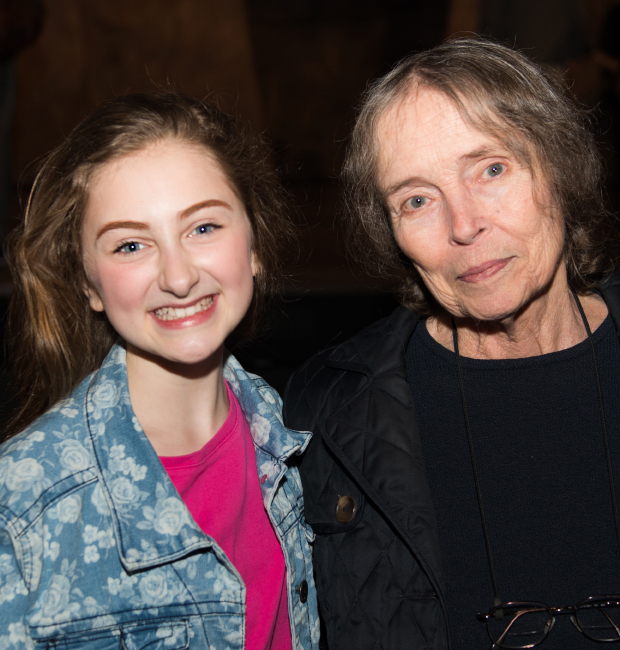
x=98, y=550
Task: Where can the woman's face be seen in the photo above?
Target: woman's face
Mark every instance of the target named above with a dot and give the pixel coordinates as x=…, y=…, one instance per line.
x=167, y=251
x=479, y=228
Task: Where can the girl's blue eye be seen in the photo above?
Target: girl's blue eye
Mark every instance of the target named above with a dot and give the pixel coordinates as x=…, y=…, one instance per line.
x=129, y=247
x=416, y=202
x=203, y=229
x=494, y=170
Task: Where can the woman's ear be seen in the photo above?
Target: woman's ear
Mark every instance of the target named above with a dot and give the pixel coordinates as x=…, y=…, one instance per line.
x=94, y=299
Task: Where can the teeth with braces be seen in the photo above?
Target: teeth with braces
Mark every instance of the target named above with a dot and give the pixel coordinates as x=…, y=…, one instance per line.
x=176, y=313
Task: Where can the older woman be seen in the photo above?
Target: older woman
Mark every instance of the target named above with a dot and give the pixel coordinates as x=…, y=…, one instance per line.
x=465, y=448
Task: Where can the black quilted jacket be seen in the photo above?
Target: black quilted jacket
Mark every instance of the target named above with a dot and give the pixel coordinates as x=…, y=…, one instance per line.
x=378, y=575
x=379, y=578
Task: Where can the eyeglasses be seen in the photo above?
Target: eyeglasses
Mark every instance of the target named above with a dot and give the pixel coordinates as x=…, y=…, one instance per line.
x=525, y=625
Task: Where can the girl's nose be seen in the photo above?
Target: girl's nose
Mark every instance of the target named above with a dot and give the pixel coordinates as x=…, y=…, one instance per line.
x=178, y=273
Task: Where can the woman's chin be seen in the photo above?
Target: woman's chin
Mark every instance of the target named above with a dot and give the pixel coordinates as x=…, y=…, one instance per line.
x=494, y=309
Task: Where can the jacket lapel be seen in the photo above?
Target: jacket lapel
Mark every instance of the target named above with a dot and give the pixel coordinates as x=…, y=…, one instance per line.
x=375, y=436
x=152, y=524
x=274, y=444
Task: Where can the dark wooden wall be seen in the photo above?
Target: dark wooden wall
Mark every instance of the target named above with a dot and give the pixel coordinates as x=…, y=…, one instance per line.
x=294, y=69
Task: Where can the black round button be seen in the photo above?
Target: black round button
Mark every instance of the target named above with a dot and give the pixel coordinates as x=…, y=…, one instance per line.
x=346, y=509
x=302, y=590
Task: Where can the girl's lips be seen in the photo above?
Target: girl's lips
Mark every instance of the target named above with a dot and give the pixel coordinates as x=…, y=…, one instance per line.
x=189, y=316
x=484, y=271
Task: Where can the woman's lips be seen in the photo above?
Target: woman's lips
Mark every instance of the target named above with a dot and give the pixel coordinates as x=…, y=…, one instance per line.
x=484, y=271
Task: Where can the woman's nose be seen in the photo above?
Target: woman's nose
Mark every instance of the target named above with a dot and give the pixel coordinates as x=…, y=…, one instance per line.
x=466, y=219
x=178, y=273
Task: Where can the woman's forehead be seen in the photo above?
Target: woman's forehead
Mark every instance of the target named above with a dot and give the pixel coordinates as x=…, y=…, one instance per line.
x=426, y=121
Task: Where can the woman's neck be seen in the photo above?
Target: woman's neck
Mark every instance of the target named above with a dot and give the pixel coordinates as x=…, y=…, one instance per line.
x=180, y=408
x=549, y=323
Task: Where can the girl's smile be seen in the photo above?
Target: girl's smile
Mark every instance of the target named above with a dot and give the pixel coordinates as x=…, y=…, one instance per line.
x=177, y=317
x=167, y=252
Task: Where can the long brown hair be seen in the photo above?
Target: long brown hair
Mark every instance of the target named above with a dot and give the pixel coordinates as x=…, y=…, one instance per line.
x=509, y=97
x=55, y=338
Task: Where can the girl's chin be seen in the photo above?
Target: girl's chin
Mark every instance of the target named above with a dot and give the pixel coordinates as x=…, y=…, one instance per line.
x=175, y=359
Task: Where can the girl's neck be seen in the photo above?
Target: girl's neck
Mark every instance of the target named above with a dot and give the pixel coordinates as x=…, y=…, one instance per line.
x=179, y=407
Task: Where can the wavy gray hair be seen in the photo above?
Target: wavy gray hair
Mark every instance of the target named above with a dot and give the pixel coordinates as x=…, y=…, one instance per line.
x=521, y=104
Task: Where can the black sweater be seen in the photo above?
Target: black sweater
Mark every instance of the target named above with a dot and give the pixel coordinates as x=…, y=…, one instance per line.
x=539, y=445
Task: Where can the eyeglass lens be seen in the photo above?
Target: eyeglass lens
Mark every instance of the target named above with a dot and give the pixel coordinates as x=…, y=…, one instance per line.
x=520, y=625
x=525, y=625
x=599, y=619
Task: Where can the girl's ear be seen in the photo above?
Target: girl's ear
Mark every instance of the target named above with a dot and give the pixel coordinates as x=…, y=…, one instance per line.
x=255, y=264
x=96, y=304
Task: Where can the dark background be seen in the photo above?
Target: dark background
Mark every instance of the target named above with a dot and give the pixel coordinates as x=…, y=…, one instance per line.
x=294, y=70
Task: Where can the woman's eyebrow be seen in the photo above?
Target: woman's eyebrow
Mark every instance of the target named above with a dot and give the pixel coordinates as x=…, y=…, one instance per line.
x=413, y=180
x=483, y=153
x=419, y=180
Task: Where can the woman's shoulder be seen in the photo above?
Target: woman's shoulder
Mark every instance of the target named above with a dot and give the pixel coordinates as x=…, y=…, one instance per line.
x=367, y=352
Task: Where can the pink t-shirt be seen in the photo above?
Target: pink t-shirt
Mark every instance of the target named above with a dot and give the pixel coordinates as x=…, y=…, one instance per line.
x=219, y=484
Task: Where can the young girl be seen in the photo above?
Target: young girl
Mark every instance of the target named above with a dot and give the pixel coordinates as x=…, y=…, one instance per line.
x=147, y=501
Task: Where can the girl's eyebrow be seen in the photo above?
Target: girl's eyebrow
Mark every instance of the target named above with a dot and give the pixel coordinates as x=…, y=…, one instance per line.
x=210, y=203
x=113, y=225
x=139, y=225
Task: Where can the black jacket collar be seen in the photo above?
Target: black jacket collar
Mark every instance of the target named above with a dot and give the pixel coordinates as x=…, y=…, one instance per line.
x=382, y=345
x=379, y=347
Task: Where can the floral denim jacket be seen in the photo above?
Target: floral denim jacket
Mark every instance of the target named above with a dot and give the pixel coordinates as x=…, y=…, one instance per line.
x=98, y=550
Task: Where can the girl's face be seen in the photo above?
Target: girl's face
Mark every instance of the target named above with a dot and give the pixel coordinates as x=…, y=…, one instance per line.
x=168, y=252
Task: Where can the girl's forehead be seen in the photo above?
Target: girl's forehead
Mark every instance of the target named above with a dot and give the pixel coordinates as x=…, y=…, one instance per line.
x=172, y=152
x=160, y=163
x=157, y=183
x=163, y=148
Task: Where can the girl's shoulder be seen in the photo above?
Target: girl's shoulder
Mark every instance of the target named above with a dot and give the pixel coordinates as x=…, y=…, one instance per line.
x=56, y=423
x=69, y=415
x=47, y=458
x=55, y=452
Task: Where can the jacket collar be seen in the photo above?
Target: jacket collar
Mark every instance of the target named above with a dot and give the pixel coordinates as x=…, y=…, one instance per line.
x=273, y=442
x=152, y=524
x=262, y=407
x=379, y=347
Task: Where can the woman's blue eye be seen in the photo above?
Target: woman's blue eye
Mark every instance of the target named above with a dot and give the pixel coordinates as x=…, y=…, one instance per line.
x=494, y=170
x=203, y=229
x=129, y=247
x=416, y=202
